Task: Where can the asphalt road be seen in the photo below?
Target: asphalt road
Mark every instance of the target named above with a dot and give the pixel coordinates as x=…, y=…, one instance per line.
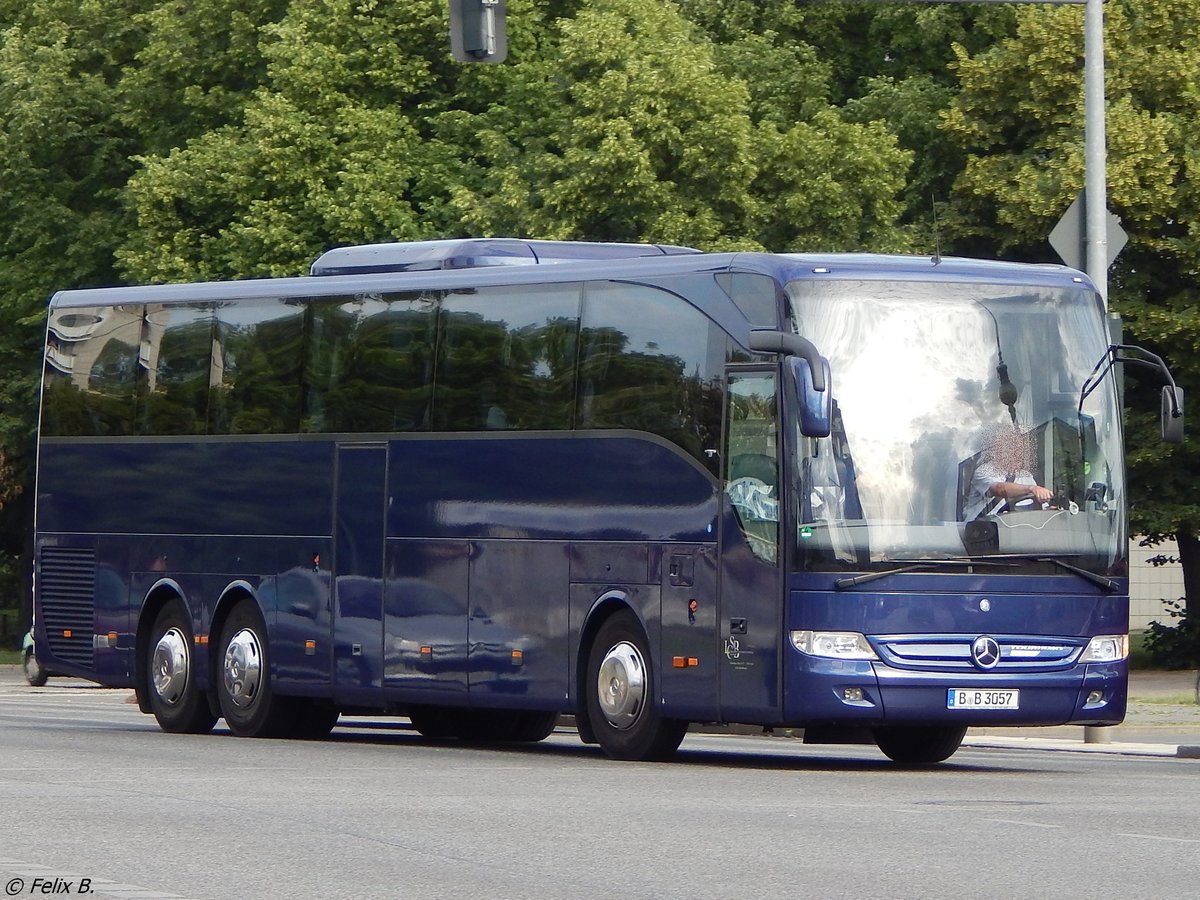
x=93, y=791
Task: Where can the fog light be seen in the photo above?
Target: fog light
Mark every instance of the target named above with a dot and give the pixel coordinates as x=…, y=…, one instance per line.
x=852, y=695
x=1095, y=697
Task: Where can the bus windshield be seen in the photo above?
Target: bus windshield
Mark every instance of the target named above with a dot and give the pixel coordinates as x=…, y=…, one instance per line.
x=959, y=428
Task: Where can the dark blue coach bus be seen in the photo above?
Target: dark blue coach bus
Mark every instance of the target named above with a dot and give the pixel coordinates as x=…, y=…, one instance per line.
x=485, y=483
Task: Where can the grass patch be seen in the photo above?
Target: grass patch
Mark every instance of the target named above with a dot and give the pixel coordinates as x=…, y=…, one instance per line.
x=1167, y=700
x=10, y=657
x=1139, y=656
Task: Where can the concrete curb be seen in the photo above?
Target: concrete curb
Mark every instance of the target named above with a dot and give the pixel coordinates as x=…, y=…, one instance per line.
x=1115, y=748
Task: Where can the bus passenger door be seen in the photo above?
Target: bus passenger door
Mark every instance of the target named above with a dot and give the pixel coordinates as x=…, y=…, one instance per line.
x=358, y=573
x=750, y=623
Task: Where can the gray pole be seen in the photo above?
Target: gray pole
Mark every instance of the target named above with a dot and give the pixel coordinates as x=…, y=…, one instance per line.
x=1095, y=160
x=1095, y=187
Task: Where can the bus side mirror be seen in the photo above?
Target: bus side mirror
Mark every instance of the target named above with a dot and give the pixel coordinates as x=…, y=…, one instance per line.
x=815, y=405
x=1172, y=414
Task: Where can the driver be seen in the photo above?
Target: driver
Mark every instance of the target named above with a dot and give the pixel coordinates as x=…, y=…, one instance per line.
x=1003, y=480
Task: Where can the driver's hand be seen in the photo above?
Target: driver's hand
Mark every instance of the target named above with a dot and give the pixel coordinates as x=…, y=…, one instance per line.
x=1042, y=494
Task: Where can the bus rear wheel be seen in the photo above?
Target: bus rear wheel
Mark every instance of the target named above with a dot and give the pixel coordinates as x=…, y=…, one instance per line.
x=177, y=702
x=35, y=672
x=248, y=703
x=313, y=720
x=531, y=727
x=619, y=692
x=919, y=745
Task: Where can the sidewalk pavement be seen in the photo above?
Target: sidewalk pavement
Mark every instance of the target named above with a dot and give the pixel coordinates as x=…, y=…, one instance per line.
x=1163, y=719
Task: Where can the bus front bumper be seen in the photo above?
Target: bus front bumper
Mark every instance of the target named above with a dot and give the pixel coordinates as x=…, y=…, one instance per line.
x=871, y=693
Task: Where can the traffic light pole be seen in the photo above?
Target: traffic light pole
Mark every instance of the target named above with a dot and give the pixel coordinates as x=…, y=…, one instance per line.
x=1095, y=187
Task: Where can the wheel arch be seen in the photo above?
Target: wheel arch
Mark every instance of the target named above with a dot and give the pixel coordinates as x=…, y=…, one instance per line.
x=163, y=591
x=607, y=605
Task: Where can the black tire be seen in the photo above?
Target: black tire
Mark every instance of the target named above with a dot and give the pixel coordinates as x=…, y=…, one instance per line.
x=531, y=727
x=35, y=672
x=175, y=698
x=622, y=713
x=481, y=726
x=313, y=720
x=438, y=723
x=920, y=745
x=248, y=702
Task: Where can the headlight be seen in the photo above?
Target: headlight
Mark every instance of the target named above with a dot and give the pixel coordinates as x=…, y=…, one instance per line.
x=833, y=644
x=1106, y=648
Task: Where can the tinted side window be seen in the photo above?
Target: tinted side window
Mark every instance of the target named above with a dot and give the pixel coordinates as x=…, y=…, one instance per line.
x=652, y=362
x=369, y=364
x=259, y=344
x=506, y=358
x=757, y=296
x=181, y=369
x=91, y=371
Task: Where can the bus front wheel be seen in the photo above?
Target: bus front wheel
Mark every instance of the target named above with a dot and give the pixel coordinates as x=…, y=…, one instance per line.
x=619, y=689
x=248, y=703
x=176, y=701
x=919, y=745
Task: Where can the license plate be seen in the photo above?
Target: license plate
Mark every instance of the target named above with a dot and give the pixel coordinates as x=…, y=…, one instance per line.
x=976, y=698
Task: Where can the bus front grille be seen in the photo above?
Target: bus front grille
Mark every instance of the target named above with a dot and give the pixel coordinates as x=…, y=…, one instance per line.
x=955, y=652
x=66, y=584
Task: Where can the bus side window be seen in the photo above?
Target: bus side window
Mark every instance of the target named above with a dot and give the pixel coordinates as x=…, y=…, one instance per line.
x=506, y=358
x=91, y=370
x=752, y=473
x=650, y=361
x=179, y=369
x=260, y=347
x=369, y=364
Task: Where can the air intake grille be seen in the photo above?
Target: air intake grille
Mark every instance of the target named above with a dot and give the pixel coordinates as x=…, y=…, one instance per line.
x=1017, y=654
x=67, y=587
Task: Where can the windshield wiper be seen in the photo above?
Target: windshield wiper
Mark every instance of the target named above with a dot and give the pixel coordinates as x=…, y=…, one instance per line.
x=1008, y=560
x=916, y=565
x=1101, y=581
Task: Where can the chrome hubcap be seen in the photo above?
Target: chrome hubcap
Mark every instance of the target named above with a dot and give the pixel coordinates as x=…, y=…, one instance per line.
x=242, y=670
x=170, y=666
x=621, y=685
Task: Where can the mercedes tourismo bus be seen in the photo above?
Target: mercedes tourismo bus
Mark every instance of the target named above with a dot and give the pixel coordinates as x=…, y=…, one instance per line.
x=485, y=483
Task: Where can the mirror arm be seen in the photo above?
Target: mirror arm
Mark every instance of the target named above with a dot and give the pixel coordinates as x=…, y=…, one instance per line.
x=1152, y=361
x=792, y=345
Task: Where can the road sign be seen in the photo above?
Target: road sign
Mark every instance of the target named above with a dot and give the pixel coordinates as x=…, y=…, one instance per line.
x=1069, y=236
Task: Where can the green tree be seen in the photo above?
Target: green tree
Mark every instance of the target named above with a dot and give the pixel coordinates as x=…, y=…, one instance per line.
x=886, y=66
x=63, y=154
x=329, y=150
x=85, y=86
x=633, y=124
x=196, y=66
x=1020, y=116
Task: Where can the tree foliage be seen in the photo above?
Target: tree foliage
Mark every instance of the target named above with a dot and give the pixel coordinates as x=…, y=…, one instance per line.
x=63, y=155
